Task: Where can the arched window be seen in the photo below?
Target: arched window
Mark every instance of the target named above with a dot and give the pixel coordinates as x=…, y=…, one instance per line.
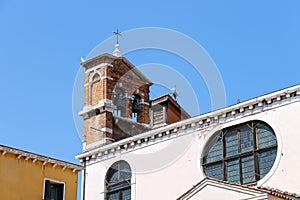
x=95, y=77
x=119, y=100
x=118, y=181
x=241, y=154
x=94, y=88
x=136, y=99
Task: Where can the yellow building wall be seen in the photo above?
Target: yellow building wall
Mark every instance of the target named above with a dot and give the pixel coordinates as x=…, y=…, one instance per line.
x=22, y=179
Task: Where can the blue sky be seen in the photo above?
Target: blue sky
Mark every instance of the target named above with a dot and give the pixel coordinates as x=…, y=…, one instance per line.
x=255, y=45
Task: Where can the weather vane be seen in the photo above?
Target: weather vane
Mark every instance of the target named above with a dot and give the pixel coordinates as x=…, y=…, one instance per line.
x=117, y=34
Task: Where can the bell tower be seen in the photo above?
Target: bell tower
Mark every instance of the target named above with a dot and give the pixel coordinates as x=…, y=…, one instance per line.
x=116, y=100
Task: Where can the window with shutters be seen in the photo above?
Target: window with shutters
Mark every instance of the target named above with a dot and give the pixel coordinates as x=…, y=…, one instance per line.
x=242, y=154
x=118, y=181
x=53, y=190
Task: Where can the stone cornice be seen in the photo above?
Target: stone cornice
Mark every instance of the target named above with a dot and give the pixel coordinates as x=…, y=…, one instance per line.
x=106, y=58
x=103, y=105
x=94, y=68
x=36, y=157
x=250, y=107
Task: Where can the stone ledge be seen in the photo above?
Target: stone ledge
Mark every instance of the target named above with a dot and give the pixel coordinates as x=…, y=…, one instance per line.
x=252, y=106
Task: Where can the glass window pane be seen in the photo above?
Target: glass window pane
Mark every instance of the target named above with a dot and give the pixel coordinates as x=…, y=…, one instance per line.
x=266, y=136
x=125, y=171
x=118, y=186
x=118, y=181
x=232, y=143
x=242, y=154
x=113, y=196
x=215, y=153
x=246, y=139
x=233, y=171
x=215, y=171
x=113, y=176
x=53, y=193
x=248, y=170
x=126, y=194
x=266, y=161
x=119, y=172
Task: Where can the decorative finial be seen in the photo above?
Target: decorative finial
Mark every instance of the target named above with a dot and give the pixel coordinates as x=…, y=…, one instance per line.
x=174, y=92
x=117, y=51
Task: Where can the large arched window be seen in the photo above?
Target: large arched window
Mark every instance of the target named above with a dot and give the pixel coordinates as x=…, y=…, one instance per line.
x=118, y=181
x=241, y=154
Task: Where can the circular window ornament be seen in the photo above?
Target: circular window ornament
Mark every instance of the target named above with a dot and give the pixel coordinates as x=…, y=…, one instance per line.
x=241, y=154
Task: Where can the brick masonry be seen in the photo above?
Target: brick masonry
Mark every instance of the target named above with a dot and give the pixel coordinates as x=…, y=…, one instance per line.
x=100, y=82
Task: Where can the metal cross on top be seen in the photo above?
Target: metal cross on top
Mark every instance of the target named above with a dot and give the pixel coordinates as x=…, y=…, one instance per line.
x=117, y=34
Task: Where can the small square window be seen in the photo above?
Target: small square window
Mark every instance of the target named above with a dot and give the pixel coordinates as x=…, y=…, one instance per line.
x=53, y=190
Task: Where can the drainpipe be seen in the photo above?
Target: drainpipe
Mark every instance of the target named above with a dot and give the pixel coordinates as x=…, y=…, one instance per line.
x=84, y=178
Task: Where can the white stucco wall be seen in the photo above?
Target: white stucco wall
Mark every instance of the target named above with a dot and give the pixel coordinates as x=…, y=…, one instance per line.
x=165, y=168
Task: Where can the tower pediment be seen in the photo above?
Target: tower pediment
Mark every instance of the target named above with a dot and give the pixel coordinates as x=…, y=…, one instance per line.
x=119, y=63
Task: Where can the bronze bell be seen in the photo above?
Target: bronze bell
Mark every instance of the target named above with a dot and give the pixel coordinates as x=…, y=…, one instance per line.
x=136, y=104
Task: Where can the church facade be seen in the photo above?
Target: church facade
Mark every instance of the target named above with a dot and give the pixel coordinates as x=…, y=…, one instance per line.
x=137, y=148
